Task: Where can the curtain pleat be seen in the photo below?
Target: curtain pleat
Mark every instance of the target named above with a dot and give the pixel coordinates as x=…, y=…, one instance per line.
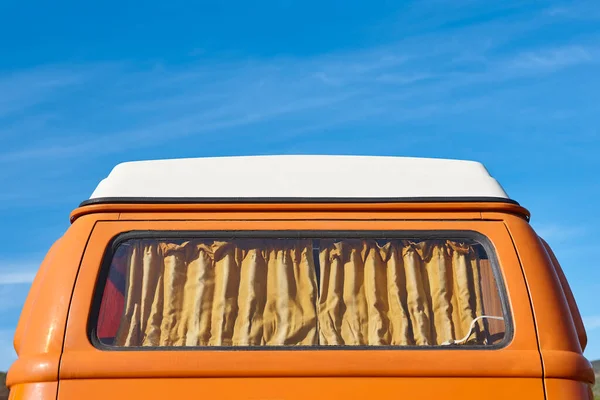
x=219, y=294
x=264, y=292
x=399, y=293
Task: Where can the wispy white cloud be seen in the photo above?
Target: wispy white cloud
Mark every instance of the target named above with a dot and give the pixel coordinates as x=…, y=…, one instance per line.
x=12, y=298
x=553, y=58
x=15, y=282
x=580, y=10
x=17, y=277
x=553, y=232
x=25, y=89
x=147, y=108
x=7, y=352
x=403, y=79
x=591, y=322
x=17, y=273
x=556, y=11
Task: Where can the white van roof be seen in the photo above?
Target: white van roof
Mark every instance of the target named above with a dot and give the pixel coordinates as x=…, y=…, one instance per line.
x=299, y=177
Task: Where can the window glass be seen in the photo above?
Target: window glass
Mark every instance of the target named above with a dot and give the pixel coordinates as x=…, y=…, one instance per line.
x=300, y=292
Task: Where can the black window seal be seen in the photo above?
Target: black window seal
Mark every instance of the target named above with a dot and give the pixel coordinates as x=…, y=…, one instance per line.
x=116, y=241
x=302, y=200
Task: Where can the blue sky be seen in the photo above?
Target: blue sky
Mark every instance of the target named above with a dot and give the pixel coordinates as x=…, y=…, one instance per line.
x=512, y=84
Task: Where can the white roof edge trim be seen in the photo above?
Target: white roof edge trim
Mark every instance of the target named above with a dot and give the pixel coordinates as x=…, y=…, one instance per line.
x=300, y=176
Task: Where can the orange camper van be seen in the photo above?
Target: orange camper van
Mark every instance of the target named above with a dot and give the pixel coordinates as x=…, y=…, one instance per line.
x=300, y=277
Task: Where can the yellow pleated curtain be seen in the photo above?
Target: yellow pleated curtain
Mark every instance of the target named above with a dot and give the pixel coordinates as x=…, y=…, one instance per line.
x=253, y=292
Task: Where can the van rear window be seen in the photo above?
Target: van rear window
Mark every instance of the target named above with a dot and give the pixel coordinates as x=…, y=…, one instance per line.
x=315, y=292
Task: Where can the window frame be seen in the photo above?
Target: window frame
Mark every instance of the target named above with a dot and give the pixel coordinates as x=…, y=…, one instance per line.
x=162, y=234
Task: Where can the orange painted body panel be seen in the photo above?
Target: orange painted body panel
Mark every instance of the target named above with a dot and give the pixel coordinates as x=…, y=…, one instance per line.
x=559, y=389
x=579, y=327
x=520, y=358
x=349, y=211
x=41, y=390
x=560, y=348
x=40, y=332
x=544, y=342
x=304, y=388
